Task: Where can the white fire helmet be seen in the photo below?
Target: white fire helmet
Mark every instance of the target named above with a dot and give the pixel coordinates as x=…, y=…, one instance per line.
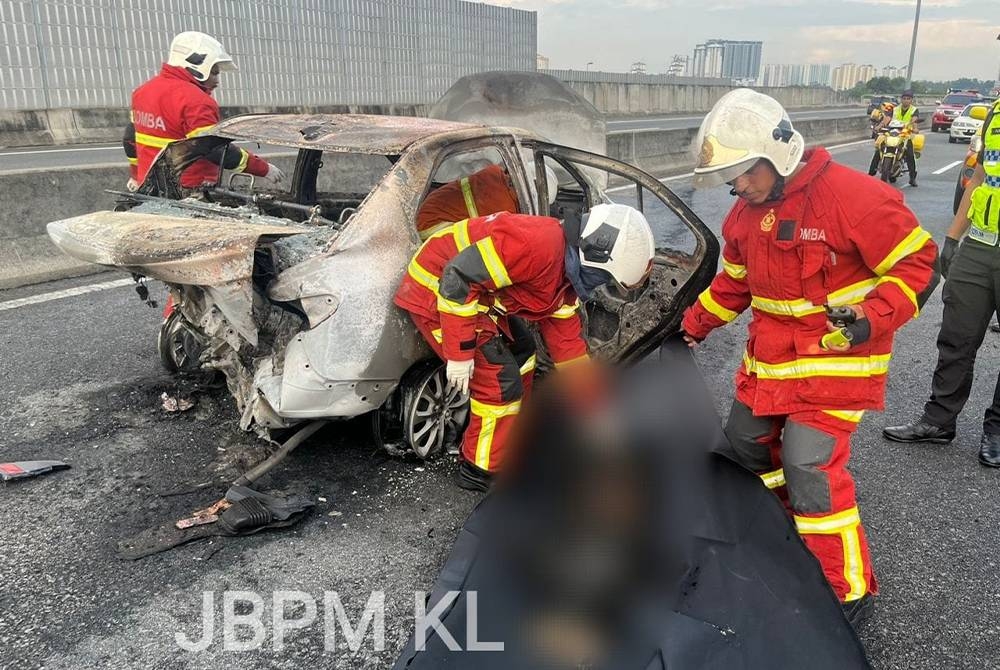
x=618, y=240
x=743, y=127
x=198, y=53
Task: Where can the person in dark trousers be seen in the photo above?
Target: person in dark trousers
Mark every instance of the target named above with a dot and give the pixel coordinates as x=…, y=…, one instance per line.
x=971, y=298
x=908, y=115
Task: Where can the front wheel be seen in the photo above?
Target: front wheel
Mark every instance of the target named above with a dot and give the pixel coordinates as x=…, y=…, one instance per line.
x=178, y=344
x=952, y=140
x=885, y=169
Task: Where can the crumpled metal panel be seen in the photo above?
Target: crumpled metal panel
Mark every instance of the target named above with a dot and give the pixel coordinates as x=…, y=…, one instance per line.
x=173, y=249
x=349, y=133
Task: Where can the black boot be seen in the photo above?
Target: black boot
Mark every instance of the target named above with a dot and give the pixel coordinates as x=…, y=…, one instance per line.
x=989, y=450
x=913, y=180
x=858, y=611
x=472, y=478
x=919, y=431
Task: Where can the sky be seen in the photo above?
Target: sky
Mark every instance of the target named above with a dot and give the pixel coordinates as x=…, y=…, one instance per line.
x=957, y=38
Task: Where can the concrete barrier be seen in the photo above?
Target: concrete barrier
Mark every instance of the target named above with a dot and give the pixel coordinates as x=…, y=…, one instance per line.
x=30, y=199
x=667, y=152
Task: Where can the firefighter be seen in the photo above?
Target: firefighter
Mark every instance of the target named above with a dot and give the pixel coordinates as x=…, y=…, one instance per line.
x=471, y=286
x=971, y=296
x=177, y=104
x=486, y=191
x=807, y=236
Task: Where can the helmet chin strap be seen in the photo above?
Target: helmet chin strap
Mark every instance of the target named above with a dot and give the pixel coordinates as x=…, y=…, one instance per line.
x=777, y=190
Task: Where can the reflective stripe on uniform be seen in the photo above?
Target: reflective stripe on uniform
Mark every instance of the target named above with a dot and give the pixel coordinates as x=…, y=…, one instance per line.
x=775, y=479
x=244, y=159
x=566, y=311
x=422, y=276
x=848, y=295
x=825, y=366
x=529, y=365
x=488, y=415
x=133, y=161
x=457, y=308
x=151, y=140
x=709, y=303
x=905, y=288
x=734, y=270
x=845, y=524
x=491, y=259
x=470, y=202
x=199, y=131
x=912, y=243
x=845, y=415
x=573, y=361
x=438, y=335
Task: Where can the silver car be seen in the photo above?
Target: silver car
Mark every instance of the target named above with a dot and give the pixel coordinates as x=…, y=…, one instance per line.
x=966, y=126
x=288, y=292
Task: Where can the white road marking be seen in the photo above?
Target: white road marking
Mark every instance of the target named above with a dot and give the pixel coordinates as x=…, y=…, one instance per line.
x=947, y=167
x=58, y=151
x=65, y=293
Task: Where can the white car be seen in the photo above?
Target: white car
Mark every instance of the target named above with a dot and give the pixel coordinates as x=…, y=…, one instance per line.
x=966, y=126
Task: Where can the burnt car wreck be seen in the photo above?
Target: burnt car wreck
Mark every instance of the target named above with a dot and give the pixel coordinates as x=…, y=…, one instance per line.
x=288, y=291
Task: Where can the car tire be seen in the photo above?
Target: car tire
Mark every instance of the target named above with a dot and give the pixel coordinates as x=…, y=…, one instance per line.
x=952, y=140
x=178, y=345
x=934, y=128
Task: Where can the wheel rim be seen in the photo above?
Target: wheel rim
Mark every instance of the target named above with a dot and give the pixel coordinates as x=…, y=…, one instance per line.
x=183, y=346
x=436, y=415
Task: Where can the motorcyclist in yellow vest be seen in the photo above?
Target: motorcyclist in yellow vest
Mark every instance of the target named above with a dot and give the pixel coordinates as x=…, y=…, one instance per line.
x=908, y=115
x=971, y=296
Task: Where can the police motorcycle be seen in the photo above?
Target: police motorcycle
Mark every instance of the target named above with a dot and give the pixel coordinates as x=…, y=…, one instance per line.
x=891, y=143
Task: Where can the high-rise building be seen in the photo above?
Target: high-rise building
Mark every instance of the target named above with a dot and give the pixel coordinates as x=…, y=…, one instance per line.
x=849, y=75
x=795, y=75
x=638, y=67
x=818, y=75
x=727, y=59
x=541, y=62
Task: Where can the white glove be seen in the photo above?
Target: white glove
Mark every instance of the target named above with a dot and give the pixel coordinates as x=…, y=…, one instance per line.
x=132, y=185
x=274, y=174
x=458, y=374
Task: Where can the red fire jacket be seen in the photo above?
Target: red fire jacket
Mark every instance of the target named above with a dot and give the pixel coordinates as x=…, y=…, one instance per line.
x=484, y=192
x=172, y=106
x=836, y=237
x=470, y=275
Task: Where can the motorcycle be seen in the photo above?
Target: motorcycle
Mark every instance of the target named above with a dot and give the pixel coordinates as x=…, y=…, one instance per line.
x=891, y=145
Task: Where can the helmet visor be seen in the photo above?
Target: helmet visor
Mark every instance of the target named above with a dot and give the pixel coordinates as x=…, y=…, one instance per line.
x=720, y=176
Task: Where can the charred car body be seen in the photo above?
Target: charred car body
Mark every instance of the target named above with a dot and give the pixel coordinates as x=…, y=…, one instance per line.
x=288, y=292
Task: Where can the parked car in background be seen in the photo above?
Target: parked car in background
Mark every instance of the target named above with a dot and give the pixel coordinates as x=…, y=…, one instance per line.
x=876, y=101
x=967, y=125
x=950, y=107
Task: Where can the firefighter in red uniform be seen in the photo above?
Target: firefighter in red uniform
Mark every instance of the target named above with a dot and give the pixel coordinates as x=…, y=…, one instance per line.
x=177, y=104
x=470, y=284
x=807, y=236
x=483, y=192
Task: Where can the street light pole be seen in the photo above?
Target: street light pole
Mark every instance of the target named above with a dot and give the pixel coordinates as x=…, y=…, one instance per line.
x=913, y=48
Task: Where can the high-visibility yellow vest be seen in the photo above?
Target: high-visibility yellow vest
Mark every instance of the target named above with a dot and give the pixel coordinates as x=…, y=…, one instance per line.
x=985, y=210
x=899, y=115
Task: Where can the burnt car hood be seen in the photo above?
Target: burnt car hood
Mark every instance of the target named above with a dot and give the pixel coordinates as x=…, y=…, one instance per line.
x=173, y=249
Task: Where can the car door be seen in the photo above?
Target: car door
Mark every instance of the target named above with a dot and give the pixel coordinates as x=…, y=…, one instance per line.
x=625, y=326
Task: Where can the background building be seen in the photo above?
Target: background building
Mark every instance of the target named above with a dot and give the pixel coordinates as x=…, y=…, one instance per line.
x=849, y=75
x=679, y=66
x=541, y=62
x=795, y=75
x=92, y=53
x=727, y=59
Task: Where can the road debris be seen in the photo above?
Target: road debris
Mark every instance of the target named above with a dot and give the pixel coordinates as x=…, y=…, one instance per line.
x=25, y=469
x=175, y=403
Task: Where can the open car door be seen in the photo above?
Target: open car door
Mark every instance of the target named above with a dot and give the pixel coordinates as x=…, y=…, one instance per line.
x=626, y=326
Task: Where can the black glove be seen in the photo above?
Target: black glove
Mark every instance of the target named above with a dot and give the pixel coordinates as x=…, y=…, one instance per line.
x=947, y=253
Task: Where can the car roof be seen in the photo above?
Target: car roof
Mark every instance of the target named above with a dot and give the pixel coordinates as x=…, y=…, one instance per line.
x=346, y=133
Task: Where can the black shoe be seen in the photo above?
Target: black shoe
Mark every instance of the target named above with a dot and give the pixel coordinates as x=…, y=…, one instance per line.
x=989, y=450
x=919, y=431
x=472, y=478
x=860, y=610
x=913, y=183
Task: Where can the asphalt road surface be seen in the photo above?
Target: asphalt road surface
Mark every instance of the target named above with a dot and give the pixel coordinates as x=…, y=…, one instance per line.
x=82, y=383
x=13, y=158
